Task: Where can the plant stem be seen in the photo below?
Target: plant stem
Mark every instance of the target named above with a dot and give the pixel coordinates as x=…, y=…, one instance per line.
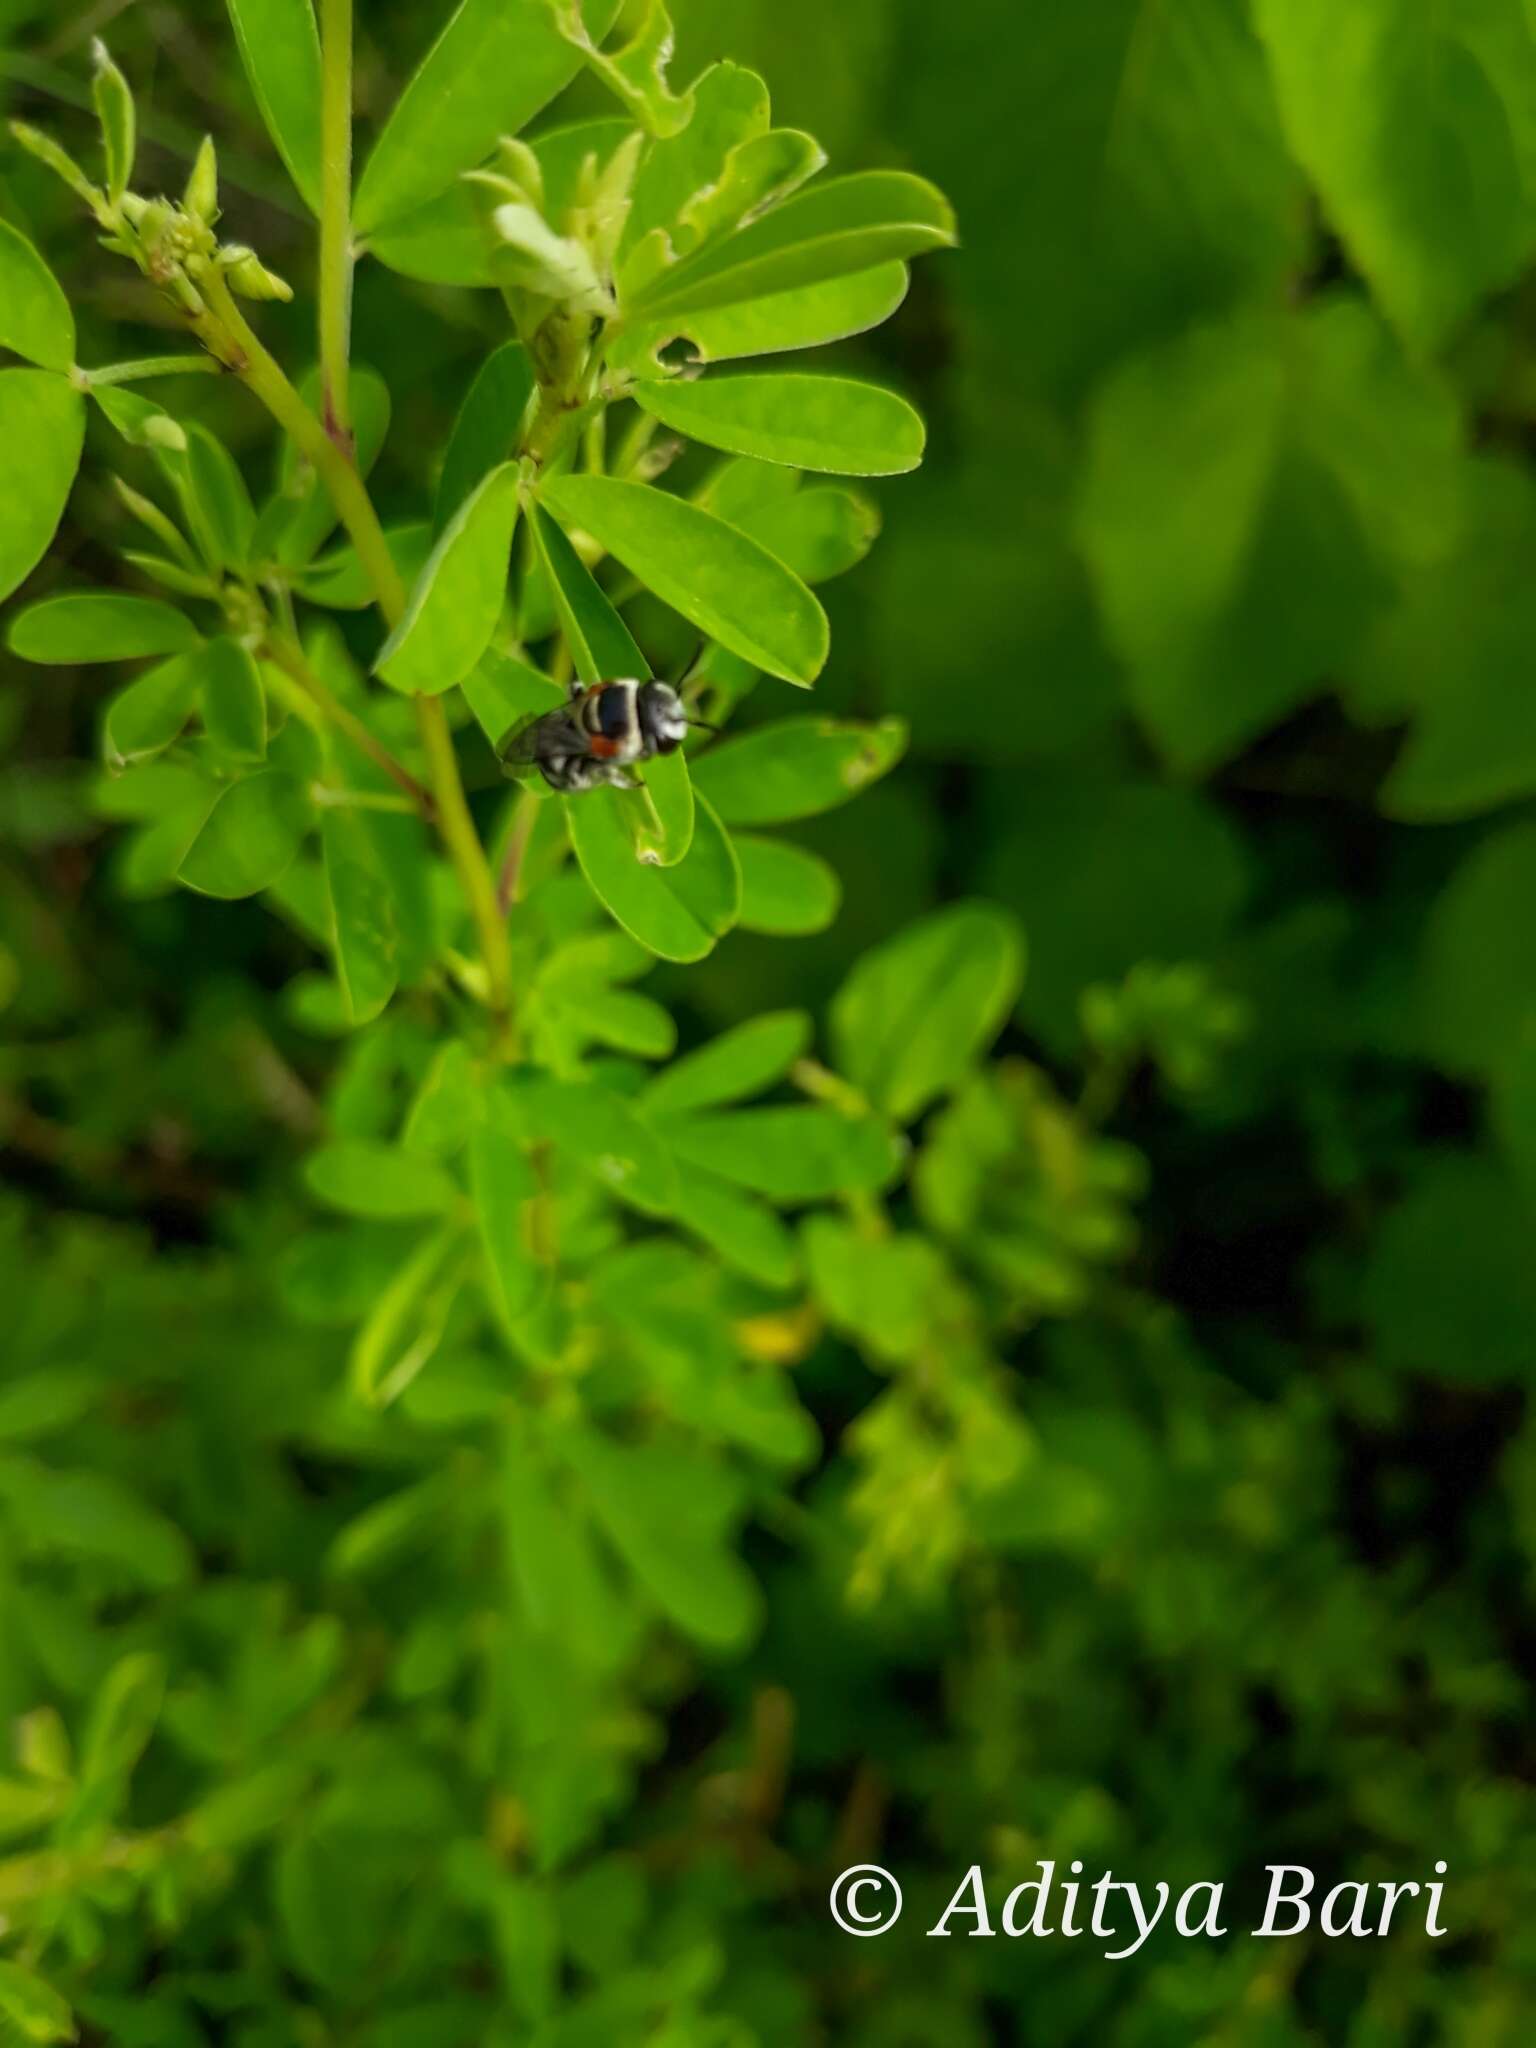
x=524, y=815
x=224, y=329
x=336, y=214
x=153, y=366
x=260, y=370
x=290, y=658
x=463, y=842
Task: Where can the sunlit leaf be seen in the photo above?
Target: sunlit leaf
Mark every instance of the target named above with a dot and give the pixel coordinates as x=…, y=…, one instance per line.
x=458, y=596
x=35, y=319
x=280, y=49
x=42, y=429
x=796, y=768
x=809, y=422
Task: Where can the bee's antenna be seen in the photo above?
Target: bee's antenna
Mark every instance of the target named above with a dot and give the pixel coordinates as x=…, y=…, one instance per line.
x=702, y=725
x=694, y=659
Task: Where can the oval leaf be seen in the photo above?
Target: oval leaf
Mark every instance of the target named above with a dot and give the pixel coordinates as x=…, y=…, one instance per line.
x=740, y=1063
x=487, y=428
x=675, y=912
x=150, y=713
x=808, y=316
x=808, y=422
x=602, y=647
x=249, y=838
x=914, y=1013
x=797, y=768
x=42, y=430
x=384, y=1182
x=280, y=49
x=459, y=594
x=234, y=706
x=786, y=891
x=728, y=585
x=98, y=625
x=367, y=946
x=831, y=230
x=489, y=72
x=35, y=319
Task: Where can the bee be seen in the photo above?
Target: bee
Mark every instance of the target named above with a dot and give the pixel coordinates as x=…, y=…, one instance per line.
x=598, y=735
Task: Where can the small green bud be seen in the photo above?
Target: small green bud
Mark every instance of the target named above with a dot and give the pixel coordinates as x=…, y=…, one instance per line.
x=201, y=198
x=516, y=162
x=114, y=110
x=248, y=276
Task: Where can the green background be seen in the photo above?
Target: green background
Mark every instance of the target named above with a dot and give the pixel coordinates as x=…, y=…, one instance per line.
x=1212, y=613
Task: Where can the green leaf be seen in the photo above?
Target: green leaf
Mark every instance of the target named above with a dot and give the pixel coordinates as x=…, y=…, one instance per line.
x=122, y=1719
x=42, y=430
x=599, y=1133
x=487, y=429
x=818, y=533
x=663, y=815
x=35, y=319
x=675, y=912
x=88, y=1515
x=99, y=625
x=1418, y=127
x=32, y=2006
x=1449, y=1291
x=668, y=1513
x=801, y=1153
x=785, y=890
x=636, y=71
x=459, y=594
x=797, y=768
x=114, y=110
x=384, y=1182
x=808, y=422
x=730, y=105
x=807, y=316
x=141, y=422
x=234, y=705
x=249, y=839
x=367, y=944
x=489, y=72
x=602, y=647
x=1477, y=972
x=1454, y=656
x=280, y=49
x=837, y=228
x=502, y=693
x=1313, y=466
x=744, y=1231
x=502, y=1183
x=740, y=1063
x=727, y=585
x=405, y=1326
x=148, y=713
x=214, y=499
x=914, y=1013
x=340, y=582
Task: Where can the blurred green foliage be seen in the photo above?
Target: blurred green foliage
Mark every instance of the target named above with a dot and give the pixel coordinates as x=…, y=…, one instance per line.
x=1128, y=1462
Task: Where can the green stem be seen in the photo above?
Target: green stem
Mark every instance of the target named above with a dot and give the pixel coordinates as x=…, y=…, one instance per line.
x=336, y=213
x=463, y=843
x=223, y=328
x=290, y=658
x=153, y=366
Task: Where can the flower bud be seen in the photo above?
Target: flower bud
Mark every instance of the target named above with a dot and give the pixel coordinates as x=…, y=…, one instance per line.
x=201, y=199
x=248, y=276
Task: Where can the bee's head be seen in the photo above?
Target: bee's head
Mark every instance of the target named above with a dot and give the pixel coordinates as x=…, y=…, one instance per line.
x=662, y=719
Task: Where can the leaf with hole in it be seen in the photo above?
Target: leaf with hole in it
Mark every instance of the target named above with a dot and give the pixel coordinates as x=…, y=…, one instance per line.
x=728, y=585
x=458, y=596
x=730, y=106
x=42, y=430
x=250, y=837
x=836, y=228
x=363, y=914
x=914, y=1013
x=739, y=1063
x=234, y=704
x=806, y=421
x=678, y=912
x=35, y=319
x=602, y=647
x=487, y=427
x=148, y=713
x=280, y=49
x=99, y=625
x=796, y=768
x=808, y=316
x=786, y=891
x=495, y=64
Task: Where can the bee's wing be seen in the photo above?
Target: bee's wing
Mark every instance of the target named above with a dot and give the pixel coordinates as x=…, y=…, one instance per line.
x=518, y=746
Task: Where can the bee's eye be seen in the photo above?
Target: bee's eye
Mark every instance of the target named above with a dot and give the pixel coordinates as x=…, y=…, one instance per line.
x=613, y=714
